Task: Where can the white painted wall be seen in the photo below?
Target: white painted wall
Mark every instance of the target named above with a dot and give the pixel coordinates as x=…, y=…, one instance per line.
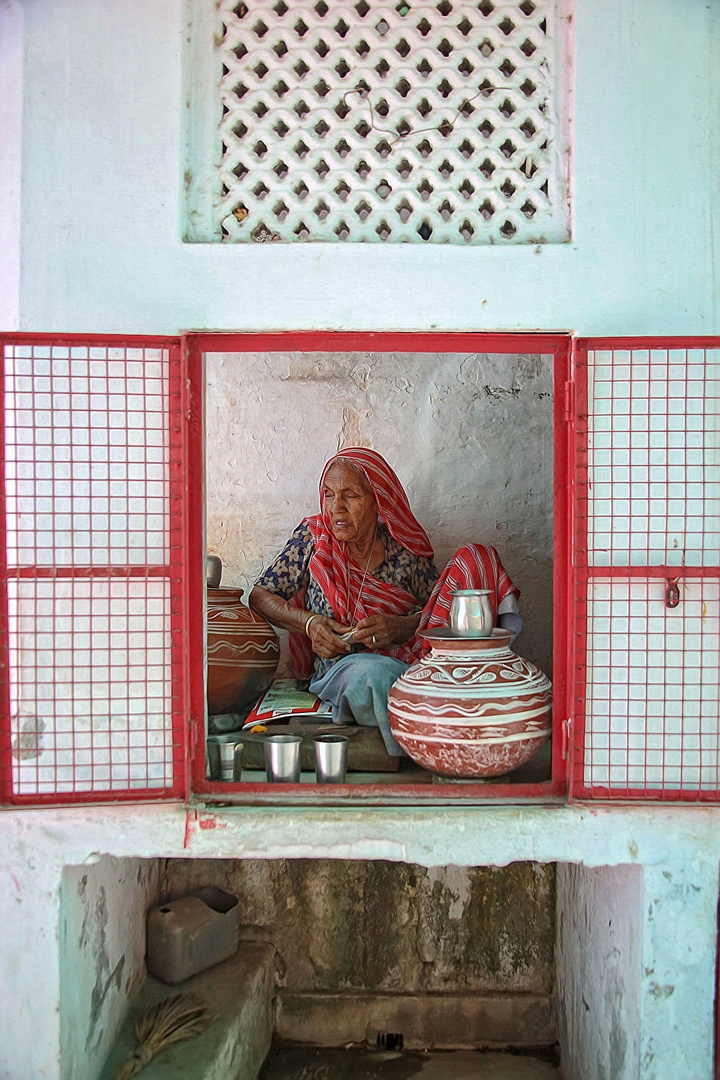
x=94, y=245
x=598, y=953
x=103, y=904
x=470, y=435
x=679, y=965
x=11, y=99
x=100, y=230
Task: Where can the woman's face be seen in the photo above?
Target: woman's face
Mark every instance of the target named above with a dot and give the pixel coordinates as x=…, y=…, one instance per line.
x=349, y=503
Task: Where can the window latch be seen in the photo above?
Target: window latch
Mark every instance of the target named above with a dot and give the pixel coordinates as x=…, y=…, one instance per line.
x=672, y=593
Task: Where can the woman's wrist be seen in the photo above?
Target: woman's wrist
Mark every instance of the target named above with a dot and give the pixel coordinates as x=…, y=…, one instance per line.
x=313, y=615
x=408, y=624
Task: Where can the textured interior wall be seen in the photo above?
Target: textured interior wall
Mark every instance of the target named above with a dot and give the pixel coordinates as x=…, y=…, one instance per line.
x=399, y=928
x=102, y=955
x=599, y=970
x=470, y=436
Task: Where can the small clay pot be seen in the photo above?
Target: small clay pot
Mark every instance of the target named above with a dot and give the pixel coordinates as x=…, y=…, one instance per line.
x=242, y=650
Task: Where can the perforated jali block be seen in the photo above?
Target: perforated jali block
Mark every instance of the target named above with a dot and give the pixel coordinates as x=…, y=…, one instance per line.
x=367, y=121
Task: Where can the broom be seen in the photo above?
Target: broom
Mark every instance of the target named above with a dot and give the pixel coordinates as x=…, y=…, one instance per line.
x=178, y=1017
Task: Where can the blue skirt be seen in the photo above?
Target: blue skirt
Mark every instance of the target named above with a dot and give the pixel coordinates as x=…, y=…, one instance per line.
x=357, y=687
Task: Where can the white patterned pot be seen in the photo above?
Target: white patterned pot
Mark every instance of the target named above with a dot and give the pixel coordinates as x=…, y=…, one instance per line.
x=472, y=708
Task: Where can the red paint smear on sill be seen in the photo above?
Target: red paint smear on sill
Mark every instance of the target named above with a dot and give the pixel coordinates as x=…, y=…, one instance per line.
x=203, y=822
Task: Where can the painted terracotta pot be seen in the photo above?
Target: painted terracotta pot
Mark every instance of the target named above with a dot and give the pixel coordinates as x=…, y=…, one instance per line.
x=242, y=651
x=472, y=708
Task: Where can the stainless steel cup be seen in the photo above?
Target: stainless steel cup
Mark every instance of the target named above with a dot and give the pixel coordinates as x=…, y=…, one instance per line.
x=282, y=758
x=471, y=614
x=330, y=758
x=237, y=762
x=221, y=756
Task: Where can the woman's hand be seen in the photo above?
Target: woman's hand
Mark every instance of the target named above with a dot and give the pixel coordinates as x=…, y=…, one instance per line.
x=323, y=634
x=382, y=631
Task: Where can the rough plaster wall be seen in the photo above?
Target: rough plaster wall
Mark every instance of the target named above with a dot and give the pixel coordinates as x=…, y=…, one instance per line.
x=679, y=963
x=470, y=436
x=102, y=955
x=679, y=849
x=390, y=927
x=599, y=957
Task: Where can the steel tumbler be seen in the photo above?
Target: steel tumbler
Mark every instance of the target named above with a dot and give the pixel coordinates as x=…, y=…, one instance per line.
x=221, y=756
x=282, y=758
x=330, y=758
x=471, y=614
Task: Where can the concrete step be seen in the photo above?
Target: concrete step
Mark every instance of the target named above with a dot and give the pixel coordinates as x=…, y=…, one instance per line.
x=239, y=994
x=294, y=1063
x=425, y=1021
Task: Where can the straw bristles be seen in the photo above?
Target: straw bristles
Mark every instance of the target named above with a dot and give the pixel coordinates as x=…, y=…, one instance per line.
x=178, y=1017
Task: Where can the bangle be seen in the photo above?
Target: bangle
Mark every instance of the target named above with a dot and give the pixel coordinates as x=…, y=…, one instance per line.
x=308, y=623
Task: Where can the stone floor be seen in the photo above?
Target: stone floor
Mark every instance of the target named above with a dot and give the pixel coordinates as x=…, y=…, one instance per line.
x=312, y=1064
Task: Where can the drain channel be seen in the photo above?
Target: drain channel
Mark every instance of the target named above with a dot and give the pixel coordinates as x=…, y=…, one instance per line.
x=389, y=1040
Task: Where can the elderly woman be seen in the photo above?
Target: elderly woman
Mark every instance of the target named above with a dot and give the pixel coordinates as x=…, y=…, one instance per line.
x=356, y=585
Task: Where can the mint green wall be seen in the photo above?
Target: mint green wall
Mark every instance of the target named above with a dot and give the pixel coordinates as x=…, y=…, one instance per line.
x=100, y=231
x=91, y=243
x=669, y=883
x=101, y=955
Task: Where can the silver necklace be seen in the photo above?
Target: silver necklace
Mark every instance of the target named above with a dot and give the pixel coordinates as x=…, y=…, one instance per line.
x=362, y=583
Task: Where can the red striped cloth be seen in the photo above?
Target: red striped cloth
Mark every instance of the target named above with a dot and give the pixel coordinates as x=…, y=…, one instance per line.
x=472, y=567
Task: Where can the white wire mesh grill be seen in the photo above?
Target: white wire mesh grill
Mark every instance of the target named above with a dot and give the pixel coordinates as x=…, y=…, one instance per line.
x=654, y=457
x=648, y=597
x=93, y=523
x=367, y=121
x=90, y=685
x=653, y=701
x=86, y=448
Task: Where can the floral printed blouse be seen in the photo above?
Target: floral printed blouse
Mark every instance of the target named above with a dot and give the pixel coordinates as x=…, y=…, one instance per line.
x=290, y=573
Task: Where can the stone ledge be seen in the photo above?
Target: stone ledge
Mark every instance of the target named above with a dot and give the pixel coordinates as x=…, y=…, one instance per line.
x=427, y=1021
x=239, y=994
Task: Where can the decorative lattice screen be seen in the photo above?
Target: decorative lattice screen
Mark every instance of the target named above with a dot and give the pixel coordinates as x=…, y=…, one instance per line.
x=407, y=121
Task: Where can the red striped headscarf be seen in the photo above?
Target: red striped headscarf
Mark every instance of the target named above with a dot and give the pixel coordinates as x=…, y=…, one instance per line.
x=351, y=599
x=342, y=580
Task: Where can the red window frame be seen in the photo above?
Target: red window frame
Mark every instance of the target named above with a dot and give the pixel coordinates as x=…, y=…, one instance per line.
x=176, y=572
x=571, y=570
x=559, y=346
x=583, y=573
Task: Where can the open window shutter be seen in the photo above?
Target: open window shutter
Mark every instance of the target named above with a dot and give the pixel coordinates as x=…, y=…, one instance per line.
x=92, y=608
x=646, y=570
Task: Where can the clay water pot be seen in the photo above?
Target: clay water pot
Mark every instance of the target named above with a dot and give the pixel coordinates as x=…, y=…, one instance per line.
x=472, y=708
x=242, y=652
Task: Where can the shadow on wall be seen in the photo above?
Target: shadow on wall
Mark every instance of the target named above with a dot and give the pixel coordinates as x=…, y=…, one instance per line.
x=391, y=927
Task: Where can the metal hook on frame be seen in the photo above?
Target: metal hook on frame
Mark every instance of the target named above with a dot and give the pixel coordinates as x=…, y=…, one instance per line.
x=672, y=593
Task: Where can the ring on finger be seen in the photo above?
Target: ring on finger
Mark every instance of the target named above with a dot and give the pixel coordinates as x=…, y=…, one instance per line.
x=374, y=639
